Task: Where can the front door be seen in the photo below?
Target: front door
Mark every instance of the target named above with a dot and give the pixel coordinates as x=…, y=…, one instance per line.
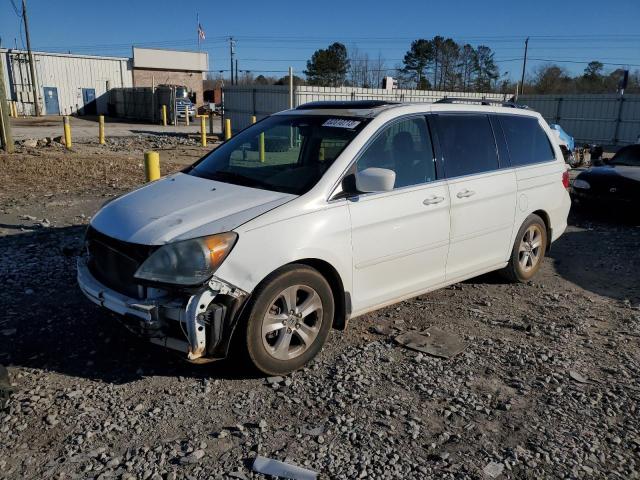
x=89, y=101
x=483, y=195
x=51, y=105
x=400, y=238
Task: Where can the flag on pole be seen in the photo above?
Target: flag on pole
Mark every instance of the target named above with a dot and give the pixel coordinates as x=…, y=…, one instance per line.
x=201, y=35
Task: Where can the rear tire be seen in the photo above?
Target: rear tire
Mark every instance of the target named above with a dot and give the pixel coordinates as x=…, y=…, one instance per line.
x=528, y=251
x=289, y=320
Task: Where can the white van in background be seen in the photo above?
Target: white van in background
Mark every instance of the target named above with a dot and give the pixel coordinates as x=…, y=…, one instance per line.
x=317, y=215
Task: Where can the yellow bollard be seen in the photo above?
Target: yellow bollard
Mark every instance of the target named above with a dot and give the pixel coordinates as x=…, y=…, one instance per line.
x=253, y=119
x=164, y=115
x=101, y=130
x=151, y=166
x=15, y=109
x=261, y=147
x=67, y=132
x=186, y=116
x=203, y=131
x=227, y=128
x=321, y=155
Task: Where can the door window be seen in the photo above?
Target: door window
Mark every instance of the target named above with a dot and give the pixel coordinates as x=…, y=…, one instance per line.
x=467, y=144
x=404, y=147
x=526, y=141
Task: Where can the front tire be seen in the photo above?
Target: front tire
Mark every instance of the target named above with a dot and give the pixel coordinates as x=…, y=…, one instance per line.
x=528, y=251
x=289, y=320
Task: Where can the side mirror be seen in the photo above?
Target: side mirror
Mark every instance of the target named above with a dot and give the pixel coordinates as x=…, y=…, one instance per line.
x=375, y=180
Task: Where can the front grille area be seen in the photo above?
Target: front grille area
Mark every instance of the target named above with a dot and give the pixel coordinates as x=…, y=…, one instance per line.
x=114, y=262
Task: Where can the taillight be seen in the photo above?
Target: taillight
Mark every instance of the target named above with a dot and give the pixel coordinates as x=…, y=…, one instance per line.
x=565, y=179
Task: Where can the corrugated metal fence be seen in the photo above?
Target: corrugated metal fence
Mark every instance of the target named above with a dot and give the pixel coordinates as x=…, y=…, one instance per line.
x=241, y=102
x=607, y=119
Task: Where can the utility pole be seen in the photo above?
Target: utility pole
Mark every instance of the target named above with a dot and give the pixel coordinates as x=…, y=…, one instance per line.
x=32, y=68
x=6, y=139
x=232, y=51
x=290, y=87
x=236, y=71
x=524, y=67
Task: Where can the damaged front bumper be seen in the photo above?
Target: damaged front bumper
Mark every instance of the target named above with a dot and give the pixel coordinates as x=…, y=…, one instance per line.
x=198, y=323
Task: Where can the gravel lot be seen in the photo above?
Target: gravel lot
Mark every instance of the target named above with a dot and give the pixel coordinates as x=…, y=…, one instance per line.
x=86, y=128
x=547, y=387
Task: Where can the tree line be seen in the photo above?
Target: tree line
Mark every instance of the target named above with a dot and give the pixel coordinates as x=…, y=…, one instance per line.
x=551, y=78
x=442, y=63
x=438, y=63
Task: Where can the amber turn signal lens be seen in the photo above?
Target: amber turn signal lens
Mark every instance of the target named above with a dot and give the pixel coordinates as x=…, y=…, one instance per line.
x=219, y=246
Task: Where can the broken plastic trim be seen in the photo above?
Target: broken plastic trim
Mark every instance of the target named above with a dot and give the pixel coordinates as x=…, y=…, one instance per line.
x=196, y=318
x=188, y=310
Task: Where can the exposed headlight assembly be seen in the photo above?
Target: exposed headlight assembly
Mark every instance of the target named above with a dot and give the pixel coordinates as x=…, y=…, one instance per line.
x=187, y=262
x=583, y=184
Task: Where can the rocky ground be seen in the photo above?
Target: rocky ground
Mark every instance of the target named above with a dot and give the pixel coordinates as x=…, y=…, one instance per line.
x=546, y=388
x=44, y=183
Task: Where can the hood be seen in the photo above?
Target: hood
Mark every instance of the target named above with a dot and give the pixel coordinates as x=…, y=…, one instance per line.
x=182, y=206
x=630, y=173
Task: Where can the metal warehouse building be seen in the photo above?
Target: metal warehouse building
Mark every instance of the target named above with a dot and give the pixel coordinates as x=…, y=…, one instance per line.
x=78, y=84
x=66, y=83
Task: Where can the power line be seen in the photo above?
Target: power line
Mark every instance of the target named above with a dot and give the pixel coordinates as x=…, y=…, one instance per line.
x=16, y=9
x=586, y=61
x=322, y=39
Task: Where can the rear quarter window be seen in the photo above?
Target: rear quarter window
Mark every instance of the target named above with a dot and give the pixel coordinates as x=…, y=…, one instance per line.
x=526, y=140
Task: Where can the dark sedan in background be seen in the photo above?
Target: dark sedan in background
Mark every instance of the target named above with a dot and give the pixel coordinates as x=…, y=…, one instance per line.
x=617, y=182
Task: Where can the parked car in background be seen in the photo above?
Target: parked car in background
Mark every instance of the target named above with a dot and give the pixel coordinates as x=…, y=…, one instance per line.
x=184, y=107
x=207, y=109
x=185, y=102
x=616, y=182
x=320, y=214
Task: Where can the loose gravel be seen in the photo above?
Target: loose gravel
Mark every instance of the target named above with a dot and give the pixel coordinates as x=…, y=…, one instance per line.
x=547, y=387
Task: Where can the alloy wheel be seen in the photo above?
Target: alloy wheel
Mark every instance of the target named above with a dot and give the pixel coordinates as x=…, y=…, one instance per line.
x=292, y=322
x=530, y=250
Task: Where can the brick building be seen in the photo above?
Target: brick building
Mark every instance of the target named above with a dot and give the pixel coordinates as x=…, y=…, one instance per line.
x=153, y=67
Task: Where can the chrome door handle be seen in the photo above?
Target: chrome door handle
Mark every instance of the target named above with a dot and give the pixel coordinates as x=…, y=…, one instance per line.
x=465, y=193
x=432, y=200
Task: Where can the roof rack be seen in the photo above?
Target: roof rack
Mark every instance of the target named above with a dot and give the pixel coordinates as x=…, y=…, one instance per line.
x=481, y=101
x=342, y=104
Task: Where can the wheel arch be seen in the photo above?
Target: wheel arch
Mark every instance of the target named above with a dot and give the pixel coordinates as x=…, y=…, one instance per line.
x=547, y=225
x=341, y=298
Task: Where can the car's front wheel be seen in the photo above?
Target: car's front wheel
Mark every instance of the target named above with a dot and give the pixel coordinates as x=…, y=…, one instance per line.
x=289, y=321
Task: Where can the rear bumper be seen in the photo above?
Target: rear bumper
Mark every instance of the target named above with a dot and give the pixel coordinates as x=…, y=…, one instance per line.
x=198, y=324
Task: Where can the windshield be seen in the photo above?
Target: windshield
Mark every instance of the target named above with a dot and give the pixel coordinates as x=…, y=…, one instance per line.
x=181, y=92
x=284, y=153
x=629, y=155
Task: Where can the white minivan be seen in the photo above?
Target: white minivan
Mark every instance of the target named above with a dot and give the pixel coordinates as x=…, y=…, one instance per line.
x=316, y=215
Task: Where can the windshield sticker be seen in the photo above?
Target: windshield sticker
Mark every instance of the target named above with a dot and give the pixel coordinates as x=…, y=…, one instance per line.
x=341, y=123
